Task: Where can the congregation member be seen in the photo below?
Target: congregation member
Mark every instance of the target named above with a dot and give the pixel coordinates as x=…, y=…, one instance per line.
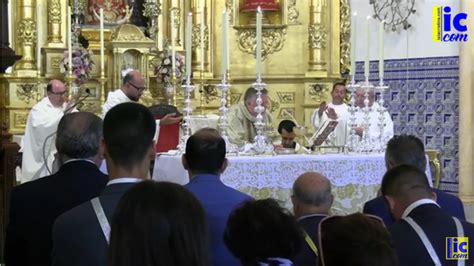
x=242, y=116
x=81, y=235
x=335, y=110
x=374, y=116
x=312, y=199
x=424, y=234
x=205, y=161
x=261, y=232
x=356, y=240
x=287, y=136
x=35, y=205
x=42, y=122
x=409, y=150
x=157, y=224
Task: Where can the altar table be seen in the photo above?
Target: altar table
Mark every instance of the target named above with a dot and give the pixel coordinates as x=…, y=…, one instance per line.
x=355, y=178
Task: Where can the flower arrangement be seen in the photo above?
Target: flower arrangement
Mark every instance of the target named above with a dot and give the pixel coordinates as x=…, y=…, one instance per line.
x=164, y=69
x=81, y=64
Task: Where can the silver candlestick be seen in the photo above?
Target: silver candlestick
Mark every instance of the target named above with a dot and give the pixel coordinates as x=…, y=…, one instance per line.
x=260, y=145
x=187, y=111
x=382, y=141
x=353, y=138
x=367, y=144
x=224, y=87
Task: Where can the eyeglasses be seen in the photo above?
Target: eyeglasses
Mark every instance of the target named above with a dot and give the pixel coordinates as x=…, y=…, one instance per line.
x=136, y=87
x=58, y=93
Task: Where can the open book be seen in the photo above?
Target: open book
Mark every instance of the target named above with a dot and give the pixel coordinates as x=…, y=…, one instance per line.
x=323, y=132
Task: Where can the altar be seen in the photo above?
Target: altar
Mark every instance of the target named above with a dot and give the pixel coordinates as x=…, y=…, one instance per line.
x=355, y=178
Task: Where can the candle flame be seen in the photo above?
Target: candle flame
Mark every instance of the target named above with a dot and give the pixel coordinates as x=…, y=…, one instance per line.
x=355, y=13
x=259, y=10
x=368, y=17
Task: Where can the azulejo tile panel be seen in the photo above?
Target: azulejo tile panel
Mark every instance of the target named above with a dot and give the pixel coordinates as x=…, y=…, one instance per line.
x=423, y=100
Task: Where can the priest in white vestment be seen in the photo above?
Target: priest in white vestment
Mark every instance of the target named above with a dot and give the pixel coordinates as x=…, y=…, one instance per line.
x=242, y=116
x=374, y=117
x=132, y=89
x=336, y=110
x=42, y=123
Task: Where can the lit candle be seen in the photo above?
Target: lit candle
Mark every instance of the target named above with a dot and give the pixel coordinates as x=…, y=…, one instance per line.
x=173, y=50
x=367, y=51
x=381, y=46
x=38, y=42
x=203, y=24
x=189, y=32
x=102, y=62
x=259, y=42
x=69, y=36
x=224, y=45
x=353, y=44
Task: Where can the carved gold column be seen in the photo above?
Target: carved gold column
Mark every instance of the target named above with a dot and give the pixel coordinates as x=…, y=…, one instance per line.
x=317, y=36
x=26, y=37
x=54, y=24
x=198, y=7
x=466, y=115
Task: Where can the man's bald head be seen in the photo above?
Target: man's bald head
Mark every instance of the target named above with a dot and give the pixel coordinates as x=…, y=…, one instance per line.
x=56, y=91
x=133, y=85
x=79, y=135
x=311, y=194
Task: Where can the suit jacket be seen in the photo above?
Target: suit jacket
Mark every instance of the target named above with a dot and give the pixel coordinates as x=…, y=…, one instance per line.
x=35, y=205
x=306, y=256
x=437, y=225
x=77, y=236
x=218, y=201
x=451, y=204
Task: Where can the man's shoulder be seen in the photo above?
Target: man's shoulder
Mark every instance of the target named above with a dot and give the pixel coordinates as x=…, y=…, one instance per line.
x=374, y=203
x=80, y=215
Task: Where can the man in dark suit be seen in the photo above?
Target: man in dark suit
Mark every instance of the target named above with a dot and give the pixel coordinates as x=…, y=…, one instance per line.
x=36, y=204
x=80, y=236
x=311, y=200
x=205, y=161
x=423, y=234
x=408, y=149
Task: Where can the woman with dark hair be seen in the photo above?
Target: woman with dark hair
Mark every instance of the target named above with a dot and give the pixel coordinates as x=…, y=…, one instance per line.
x=355, y=240
x=263, y=233
x=158, y=224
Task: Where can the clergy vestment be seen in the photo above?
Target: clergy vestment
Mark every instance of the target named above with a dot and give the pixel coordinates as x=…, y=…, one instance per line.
x=43, y=121
x=118, y=97
x=241, y=127
x=339, y=136
x=374, y=115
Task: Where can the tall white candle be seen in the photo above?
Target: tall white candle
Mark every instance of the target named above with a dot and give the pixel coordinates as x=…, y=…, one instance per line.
x=224, y=45
x=353, y=43
x=173, y=50
x=102, y=59
x=189, y=32
x=259, y=42
x=381, y=46
x=201, y=37
x=38, y=42
x=367, y=51
x=69, y=41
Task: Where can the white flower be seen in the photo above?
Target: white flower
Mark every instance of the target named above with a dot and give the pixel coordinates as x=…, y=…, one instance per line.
x=167, y=61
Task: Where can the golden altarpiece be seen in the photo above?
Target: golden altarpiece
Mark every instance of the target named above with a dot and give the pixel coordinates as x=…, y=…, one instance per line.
x=305, y=49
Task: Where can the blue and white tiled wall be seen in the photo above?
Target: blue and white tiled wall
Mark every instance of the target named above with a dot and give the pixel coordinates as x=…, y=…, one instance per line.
x=423, y=100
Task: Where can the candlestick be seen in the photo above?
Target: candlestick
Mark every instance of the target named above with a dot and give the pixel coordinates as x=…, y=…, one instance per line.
x=353, y=44
x=203, y=25
x=173, y=50
x=189, y=32
x=381, y=46
x=102, y=68
x=367, y=51
x=69, y=35
x=259, y=42
x=224, y=46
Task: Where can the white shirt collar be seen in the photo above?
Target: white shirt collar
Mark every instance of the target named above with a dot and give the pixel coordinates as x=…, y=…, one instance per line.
x=75, y=160
x=311, y=215
x=124, y=180
x=417, y=203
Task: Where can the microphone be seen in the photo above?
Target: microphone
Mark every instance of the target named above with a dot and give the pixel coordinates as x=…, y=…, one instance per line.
x=88, y=93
